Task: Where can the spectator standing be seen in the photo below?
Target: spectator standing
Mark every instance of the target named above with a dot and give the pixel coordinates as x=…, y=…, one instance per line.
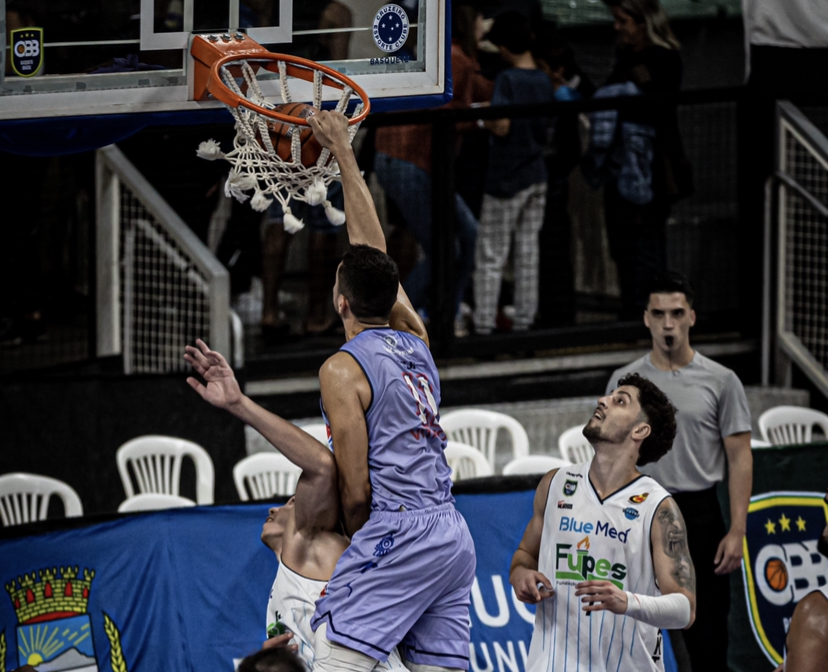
x=515, y=191
x=647, y=57
x=713, y=432
x=403, y=165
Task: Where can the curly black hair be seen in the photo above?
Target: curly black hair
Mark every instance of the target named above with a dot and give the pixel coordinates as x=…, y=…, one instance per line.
x=369, y=279
x=272, y=660
x=660, y=414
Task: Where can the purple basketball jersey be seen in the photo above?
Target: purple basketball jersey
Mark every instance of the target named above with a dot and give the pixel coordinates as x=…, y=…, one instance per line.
x=405, y=442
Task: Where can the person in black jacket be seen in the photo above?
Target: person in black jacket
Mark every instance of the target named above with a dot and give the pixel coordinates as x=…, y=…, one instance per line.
x=648, y=56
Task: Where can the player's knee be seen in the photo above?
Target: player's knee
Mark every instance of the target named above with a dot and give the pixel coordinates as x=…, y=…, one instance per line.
x=813, y=606
x=332, y=657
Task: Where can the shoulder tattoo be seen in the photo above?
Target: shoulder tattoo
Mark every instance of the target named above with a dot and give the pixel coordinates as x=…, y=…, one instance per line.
x=674, y=544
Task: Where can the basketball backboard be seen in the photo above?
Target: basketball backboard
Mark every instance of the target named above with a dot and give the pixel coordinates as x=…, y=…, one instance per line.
x=132, y=56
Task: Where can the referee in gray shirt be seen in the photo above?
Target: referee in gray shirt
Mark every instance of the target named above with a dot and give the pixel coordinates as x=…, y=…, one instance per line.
x=713, y=431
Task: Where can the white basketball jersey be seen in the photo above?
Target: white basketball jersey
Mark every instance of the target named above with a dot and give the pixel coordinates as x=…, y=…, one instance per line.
x=586, y=538
x=293, y=601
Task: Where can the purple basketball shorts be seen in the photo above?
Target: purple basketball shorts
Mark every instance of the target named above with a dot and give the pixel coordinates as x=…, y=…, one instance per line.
x=404, y=580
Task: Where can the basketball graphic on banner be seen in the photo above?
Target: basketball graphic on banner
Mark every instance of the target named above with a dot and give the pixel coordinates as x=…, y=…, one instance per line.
x=776, y=574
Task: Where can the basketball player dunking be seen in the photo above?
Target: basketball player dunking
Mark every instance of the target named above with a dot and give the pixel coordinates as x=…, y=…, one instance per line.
x=407, y=575
x=605, y=554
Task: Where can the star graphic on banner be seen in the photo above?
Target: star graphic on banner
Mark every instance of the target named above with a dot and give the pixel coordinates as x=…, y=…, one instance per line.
x=785, y=522
x=800, y=524
x=770, y=527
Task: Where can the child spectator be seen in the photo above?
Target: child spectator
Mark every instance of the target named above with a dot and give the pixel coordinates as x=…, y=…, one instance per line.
x=515, y=190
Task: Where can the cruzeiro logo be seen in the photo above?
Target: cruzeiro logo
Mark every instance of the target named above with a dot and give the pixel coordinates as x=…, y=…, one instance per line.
x=578, y=565
x=390, y=28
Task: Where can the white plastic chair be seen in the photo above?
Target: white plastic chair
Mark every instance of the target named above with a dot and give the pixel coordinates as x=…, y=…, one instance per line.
x=785, y=425
x=153, y=501
x=318, y=430
x=477, y=427
x=156, y=463
x=534, y=464
x=466, y=461
x=574, y=446
x=759, y=444
x=24, y=498
x=265, y=475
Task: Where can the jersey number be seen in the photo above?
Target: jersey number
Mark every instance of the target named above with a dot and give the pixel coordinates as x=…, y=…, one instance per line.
x=420, y=389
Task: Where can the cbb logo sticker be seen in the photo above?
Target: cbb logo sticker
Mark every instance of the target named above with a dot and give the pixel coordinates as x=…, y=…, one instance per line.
x=390, y=28
x=27, y=51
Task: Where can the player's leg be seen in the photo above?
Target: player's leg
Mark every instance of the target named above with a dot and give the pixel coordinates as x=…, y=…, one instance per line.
x=527, y=256
x=439, y=639
x=334, y=657
x=497, y=218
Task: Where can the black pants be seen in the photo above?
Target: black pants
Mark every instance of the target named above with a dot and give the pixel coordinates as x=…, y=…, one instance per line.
x=637, y=240
x=706, y=639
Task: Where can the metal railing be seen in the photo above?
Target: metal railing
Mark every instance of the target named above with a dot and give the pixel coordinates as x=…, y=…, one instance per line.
x=801, y=212
x=158, y=286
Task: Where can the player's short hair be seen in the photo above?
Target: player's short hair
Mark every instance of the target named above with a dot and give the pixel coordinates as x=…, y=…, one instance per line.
x=511, y=30
x=660, y=415
x=271, y=660
x=370, y=280
x=670, y=282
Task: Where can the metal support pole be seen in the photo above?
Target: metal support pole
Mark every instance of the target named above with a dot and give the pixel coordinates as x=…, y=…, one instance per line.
x=444, y=258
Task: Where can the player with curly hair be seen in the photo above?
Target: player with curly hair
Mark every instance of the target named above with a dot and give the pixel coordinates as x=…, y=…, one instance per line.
x=605, y=555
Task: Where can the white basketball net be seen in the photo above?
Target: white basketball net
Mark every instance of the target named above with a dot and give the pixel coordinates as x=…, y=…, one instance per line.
x=255, y=165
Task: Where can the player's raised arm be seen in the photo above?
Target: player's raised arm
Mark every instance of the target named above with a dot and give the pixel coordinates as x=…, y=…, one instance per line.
x=317, y=498
x=364, y=228
x=530, y=585
x=361, y=220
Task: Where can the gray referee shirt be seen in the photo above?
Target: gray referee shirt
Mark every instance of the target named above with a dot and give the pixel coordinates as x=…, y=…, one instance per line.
x=711, y=405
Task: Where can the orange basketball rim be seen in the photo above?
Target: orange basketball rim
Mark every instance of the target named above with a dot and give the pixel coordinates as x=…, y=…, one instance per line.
x=214, y=52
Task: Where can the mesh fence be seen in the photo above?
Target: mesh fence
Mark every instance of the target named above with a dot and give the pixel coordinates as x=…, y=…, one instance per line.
x=165, y=299
x=806, y=247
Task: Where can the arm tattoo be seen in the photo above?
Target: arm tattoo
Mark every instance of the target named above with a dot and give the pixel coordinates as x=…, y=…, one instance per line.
x=674, y=543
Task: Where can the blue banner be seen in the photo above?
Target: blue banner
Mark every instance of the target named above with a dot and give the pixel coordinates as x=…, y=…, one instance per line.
x=187, y=589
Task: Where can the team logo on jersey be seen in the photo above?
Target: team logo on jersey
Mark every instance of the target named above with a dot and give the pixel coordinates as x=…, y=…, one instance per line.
x=390, y=28
x=639, y=499
x=26, y=51
x=577, y=564
x=572, y=524
x=564, y=505
x=631, y=513
x=384, y=546
x=781, y=564
x=570, y=487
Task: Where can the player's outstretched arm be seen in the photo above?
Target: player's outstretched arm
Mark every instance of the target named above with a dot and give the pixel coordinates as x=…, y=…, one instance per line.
x=530, y=585
x=317, y=498
x=361, y=220
x=346, y=396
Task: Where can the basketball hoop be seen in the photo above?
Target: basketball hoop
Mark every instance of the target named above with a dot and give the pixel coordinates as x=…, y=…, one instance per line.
x=274, y=153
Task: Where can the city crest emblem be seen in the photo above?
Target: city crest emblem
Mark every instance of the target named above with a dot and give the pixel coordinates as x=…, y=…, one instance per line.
x=781, y=563
x=26, y=51
x=54, y=628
